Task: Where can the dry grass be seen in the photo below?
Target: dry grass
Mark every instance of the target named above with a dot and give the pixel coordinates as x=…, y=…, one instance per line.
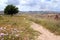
x=48, y=22
x=16, y=28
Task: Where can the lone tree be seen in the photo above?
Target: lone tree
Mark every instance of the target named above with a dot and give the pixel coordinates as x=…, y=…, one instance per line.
x=10, y=10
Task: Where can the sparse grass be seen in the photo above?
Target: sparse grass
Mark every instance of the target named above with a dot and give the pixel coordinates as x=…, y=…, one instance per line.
x=16, y=28
x=51, y=24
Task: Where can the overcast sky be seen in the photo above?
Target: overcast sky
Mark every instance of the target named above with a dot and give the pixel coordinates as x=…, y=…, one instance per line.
x=32, y=5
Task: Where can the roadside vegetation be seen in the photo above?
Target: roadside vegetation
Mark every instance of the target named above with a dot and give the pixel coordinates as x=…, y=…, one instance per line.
x=16, y=28
x=52, y=24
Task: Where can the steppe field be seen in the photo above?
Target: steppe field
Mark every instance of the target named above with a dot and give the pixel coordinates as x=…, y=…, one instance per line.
x=30, y=27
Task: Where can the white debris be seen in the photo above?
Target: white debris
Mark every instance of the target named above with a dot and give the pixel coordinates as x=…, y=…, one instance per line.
x=24, y=18
x=4, y=27
x=17, y=35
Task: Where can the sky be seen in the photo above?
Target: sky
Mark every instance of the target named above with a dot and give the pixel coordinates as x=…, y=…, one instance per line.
x=32, y=5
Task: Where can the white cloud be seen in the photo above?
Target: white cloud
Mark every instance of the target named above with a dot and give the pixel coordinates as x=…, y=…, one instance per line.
x=14, y=2
x=26, y=5
x=2, y=4
x=39, y=5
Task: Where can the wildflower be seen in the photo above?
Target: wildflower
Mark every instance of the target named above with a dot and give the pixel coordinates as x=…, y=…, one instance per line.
x=1, y=28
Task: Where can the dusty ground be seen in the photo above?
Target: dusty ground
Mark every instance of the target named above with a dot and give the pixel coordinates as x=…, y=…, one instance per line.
x=45, y=34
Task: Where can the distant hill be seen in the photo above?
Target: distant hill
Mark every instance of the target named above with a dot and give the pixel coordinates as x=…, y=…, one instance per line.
x=41, y=12
x=35, y=12
x=1, y=12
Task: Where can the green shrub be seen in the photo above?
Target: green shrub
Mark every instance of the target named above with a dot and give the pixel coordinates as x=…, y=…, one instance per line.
x=10, y=10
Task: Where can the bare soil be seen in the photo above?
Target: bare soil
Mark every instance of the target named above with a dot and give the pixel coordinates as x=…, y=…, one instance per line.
x=45, y=34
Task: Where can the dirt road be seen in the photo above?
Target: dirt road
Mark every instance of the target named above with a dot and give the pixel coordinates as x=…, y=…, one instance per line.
x=45, y=34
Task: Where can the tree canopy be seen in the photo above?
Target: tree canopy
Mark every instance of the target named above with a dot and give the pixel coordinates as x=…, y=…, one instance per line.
x=10, y=10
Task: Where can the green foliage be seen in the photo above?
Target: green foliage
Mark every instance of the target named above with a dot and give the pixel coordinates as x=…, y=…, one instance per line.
x=10, y=10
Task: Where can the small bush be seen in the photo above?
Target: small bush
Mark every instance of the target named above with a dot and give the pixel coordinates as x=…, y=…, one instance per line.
x=10, y=10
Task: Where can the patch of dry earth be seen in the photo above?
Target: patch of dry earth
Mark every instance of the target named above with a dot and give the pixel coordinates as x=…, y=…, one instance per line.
x=45, y=34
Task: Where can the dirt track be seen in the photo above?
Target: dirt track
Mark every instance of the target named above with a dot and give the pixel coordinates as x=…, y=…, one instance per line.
x=46, y=35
